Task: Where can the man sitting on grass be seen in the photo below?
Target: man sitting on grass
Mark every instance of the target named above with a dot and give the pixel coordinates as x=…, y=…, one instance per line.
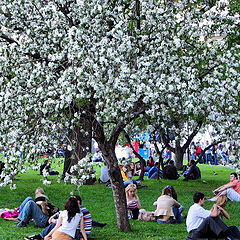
x=205, y=224
x=231, y=189
x=193, y=172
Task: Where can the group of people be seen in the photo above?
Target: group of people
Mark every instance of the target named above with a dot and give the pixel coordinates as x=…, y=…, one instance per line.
x=74, y=222
x=201, y=223
x=213, y=153
x=168, y=209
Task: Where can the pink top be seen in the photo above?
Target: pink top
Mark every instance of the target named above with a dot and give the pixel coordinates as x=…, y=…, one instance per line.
x=235, y=185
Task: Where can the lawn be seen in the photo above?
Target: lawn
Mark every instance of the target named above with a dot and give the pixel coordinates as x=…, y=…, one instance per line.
x=98, y=199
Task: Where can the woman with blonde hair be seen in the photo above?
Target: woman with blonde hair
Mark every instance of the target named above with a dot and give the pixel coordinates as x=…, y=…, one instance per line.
x=133, y=202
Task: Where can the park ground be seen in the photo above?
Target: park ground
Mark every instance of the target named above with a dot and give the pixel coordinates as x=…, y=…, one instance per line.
x=98, y=199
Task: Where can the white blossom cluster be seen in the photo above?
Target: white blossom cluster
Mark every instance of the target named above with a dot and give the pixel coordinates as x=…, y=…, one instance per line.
x=58, y=56
x=81, y=172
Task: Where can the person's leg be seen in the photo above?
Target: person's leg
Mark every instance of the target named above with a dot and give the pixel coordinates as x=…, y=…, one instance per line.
x=153, y=176
x=47, y=230
x=232, y=233
x=32, y=210
x=60, y=235
x=177, y=214
x=233, y=195
x=135, y=213
x=24, y=203
x=210, y=227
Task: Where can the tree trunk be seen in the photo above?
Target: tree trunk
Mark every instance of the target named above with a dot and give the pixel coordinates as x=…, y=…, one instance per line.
x=118, y=189
x=81, y=144
x=179, y=153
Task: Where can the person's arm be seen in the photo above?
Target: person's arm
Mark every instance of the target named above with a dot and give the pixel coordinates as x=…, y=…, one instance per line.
x=176, y=203
x=83, y=229
x=43, y=205
x=215, y=211
x=224, y=212
x=138, y=203
x=59, y=223
x=53, y=218
x=224, y=187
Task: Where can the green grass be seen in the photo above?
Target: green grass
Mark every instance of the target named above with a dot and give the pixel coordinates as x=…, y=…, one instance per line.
x=98, y=199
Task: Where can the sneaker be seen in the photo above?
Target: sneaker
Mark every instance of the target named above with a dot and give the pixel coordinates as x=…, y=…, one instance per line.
x=21, y=224
x=33, y=237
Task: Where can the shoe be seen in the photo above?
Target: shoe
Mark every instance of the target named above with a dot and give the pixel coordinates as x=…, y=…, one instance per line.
x=102, y=224
x=33, y=237
x=97, y=224
x=213, y=199
x=21, y=224
x=15, y=223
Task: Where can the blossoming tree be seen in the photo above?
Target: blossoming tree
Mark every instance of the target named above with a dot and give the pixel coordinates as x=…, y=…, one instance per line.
x=107, y=63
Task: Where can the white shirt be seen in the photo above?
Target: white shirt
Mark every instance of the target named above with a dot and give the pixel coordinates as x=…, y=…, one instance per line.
x=104, y=174
x=69, y=227
x=196, y=215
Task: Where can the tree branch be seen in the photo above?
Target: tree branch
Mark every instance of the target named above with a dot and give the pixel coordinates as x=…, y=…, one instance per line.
x=192, y=135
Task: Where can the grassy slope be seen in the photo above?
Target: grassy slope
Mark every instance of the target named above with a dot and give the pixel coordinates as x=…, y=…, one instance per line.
x=98, y=199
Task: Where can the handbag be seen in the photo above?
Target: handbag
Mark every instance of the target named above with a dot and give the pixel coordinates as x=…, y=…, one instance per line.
x=146, y=216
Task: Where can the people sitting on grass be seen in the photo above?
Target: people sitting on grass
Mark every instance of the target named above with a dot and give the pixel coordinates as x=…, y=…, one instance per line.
x=170, y=171
x=203, y=223
x=133, y=202
x=154, y=172
x=46, y=166
x=12, y=214
x=231, y=189
x=150, y=163
x=40, y=210
x=97, y=157
x=126, y=172
x=193, y=172
x=165, y=204
x=87, y=219
x=67, y=222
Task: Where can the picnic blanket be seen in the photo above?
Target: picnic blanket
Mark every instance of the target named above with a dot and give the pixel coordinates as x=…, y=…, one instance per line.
x=9, y=213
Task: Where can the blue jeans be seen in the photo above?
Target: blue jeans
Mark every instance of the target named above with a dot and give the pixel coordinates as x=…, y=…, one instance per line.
x=47, y=230
x=126, y=183
x=170, y=221
x=177, y=214
x=30, y=211
x=23, y=203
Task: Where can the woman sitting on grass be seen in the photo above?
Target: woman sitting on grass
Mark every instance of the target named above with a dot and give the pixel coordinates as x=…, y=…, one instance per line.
x=133, y=202
x=165, y=204
x=68, y=222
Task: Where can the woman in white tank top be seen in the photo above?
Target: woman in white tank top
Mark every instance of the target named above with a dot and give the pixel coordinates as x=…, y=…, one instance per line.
x=67, y=223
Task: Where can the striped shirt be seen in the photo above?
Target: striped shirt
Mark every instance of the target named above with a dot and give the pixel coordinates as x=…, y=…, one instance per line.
x=87, y=218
